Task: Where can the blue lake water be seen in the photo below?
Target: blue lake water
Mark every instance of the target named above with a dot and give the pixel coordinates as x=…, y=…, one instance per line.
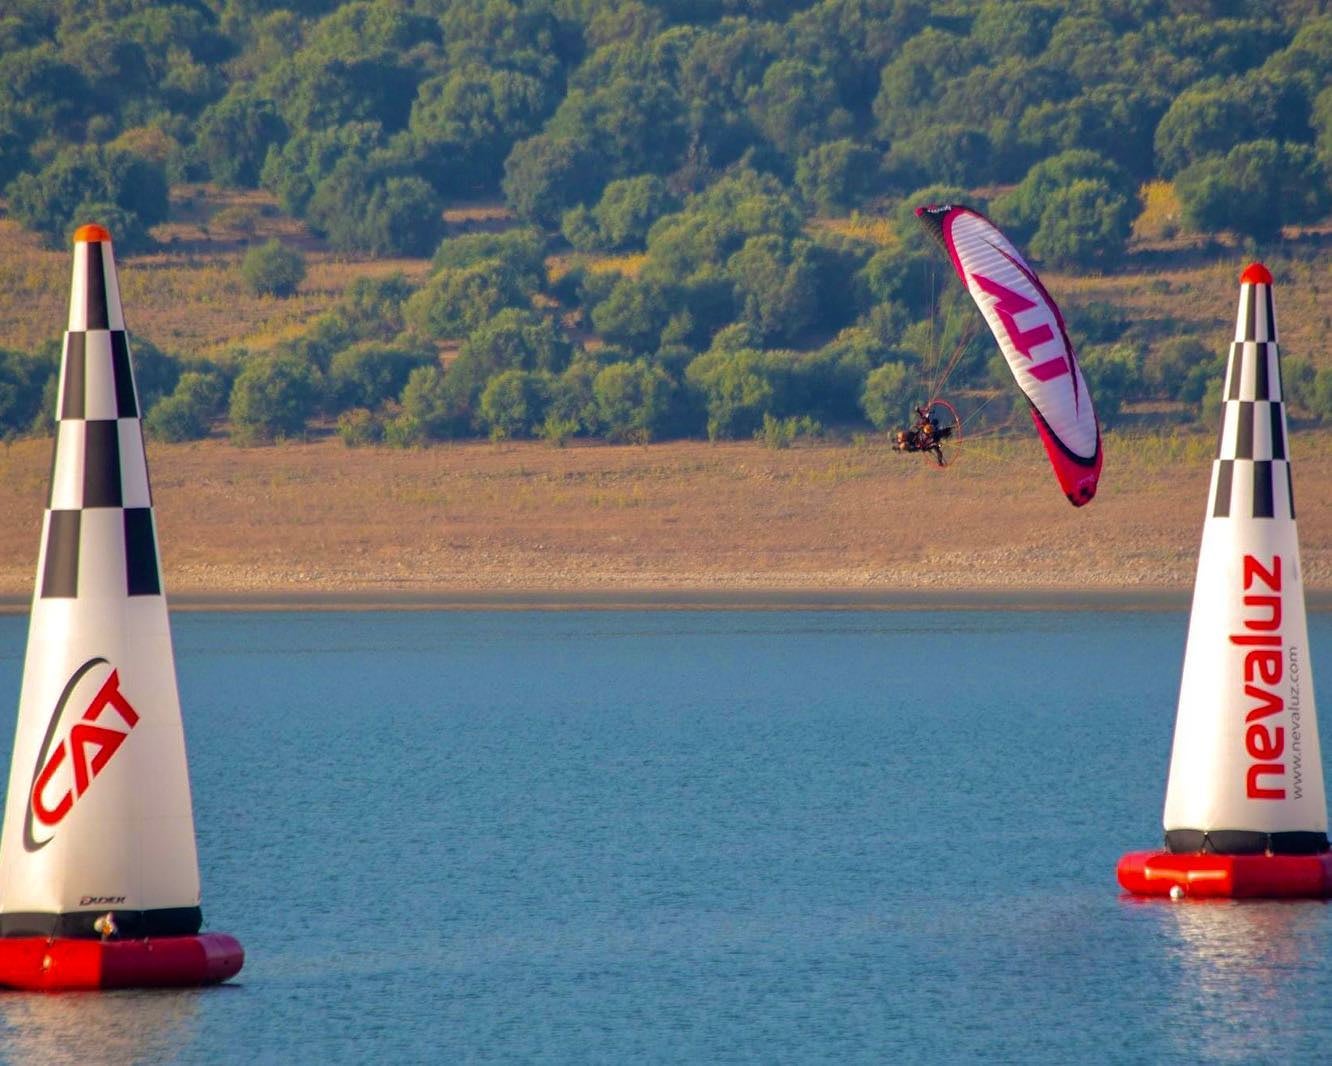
x=703, y=837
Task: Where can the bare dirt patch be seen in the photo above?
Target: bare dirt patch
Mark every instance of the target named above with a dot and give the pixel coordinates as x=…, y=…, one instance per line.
x=311, y=517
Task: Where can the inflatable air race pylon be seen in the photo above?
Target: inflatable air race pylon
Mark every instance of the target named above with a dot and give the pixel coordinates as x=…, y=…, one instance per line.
x=1245, y=814
x=99, y=882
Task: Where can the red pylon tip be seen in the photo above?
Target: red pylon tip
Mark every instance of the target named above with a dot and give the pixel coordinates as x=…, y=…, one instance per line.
x=1256, y=274
x=88, y=234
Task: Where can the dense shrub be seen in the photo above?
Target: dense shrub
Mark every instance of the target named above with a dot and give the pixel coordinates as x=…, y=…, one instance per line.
x=886, y=398
x=837, y=176
x=188, y=412
x=369, y=373
x=737, y=391
x=1114, y=375
x=1255, y=190
x=272, y=269
x=633, y=400
x=93, y=184
x=273, y=398
x=457, y=300
x=513, y=404
x=359, y=427
x=1085, y=224
x=432, y=408
x=634, y=314
x=23, y=384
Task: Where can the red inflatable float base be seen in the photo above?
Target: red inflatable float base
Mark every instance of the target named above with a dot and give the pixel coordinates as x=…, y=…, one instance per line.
x=1208, y=876
x=40, y=964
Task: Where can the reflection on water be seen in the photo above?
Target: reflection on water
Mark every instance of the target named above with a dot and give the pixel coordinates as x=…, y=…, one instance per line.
x=97, y=1027
x=1244, y=970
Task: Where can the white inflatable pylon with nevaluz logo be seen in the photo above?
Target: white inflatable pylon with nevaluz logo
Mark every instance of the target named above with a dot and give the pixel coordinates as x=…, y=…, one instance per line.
x=99, y=880
x=1245, y=812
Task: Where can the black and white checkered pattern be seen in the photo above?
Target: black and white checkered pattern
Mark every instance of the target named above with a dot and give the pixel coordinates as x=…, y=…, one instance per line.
x=100, y=503
x=1251, y=475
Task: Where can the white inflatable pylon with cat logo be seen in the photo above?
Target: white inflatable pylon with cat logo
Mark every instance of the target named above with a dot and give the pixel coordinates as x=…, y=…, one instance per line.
x=99, y=879
x=1245, y=812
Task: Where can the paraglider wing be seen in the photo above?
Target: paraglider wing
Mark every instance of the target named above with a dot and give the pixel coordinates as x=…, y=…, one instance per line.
x=1030, y=332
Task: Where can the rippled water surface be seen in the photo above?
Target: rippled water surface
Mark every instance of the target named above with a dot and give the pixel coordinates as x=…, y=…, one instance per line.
x=610, y=837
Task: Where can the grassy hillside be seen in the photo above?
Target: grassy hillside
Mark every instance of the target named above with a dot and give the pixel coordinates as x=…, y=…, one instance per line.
x=189, y=298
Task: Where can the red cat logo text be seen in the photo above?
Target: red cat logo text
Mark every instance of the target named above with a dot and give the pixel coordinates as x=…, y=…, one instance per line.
x=82, y=754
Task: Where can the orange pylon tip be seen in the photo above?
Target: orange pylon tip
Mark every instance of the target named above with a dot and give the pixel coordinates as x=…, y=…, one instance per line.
x=90, y=233
x=1256, y=274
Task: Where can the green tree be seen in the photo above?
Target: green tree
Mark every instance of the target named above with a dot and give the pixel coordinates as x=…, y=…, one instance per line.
x=23, y=382
x=457, y=300
x=715, y=72
x=372, y=372
x=629, y=125
x=828, y=383
x=401, y=216
x=1114, y=376
x=715, y=223
x=1165, y=369
x=777, y=283
x=1309, y=50
x=234, y=136
x=573, y=405
x=1117, y=121
x=580, y=229
x=633, y=400
x=430, y=408
x=902, y=277
x=1255, y=190
x=886, y=396
x=1016, y=29
x=80, y=180
x=781, y=433
x=736, y=390
x=522, y=251
x=917, y=76
x=516, y=339
x=310, y=157
x=359, y=29
x=371, y=308
x=628, y=208
x=853, y=40
x=1210, y=120
x=544, y=175
x=1322, y=123
x=188, y=413
x=315, y=91
x=363, y=206
x=273, y=398
x=1021, y=209
x=948, y=152
x=359, y=427
x=272, y=269
x=1085, y=224
x=796, y=106
x=513, y=340
x=45, y=93
x=837, y=176
x=634, y=314
x=467, y=121
x=513, y=404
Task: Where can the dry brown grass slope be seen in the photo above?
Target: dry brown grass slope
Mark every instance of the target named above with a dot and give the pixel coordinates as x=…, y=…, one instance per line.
x=303, y=517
